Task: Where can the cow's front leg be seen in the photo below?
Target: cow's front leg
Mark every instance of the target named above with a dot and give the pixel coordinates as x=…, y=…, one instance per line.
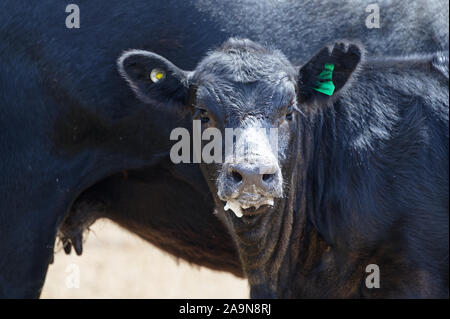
x=26, y=249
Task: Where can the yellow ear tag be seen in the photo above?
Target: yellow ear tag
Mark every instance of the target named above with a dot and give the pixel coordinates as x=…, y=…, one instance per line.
x=157, y=75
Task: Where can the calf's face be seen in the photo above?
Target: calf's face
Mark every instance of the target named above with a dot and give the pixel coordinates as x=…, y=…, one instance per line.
x=251, y=95
x=248, y=93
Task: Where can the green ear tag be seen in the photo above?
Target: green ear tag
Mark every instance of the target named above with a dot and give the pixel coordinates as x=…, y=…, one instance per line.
x=325, y=84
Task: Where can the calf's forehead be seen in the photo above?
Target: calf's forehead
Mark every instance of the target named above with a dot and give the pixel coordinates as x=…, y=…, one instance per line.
x=263, y=96
x=243, y=77
x=245, y=70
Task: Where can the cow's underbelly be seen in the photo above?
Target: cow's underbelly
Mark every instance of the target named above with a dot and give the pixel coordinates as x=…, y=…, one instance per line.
x=143, y=203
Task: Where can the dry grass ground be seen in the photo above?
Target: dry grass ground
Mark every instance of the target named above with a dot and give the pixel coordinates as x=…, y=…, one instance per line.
x=118, y=264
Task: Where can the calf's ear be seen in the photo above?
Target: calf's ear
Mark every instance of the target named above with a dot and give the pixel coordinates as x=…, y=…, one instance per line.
x=324, y=76
x=154, y=79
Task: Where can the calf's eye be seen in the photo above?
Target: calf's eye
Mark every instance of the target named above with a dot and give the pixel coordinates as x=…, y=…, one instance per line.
x=289, y=113
x=202, y=115
x=204, y=119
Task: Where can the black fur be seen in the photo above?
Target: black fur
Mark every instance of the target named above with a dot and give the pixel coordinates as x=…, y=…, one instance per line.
x=366, y=173
x=68, y=124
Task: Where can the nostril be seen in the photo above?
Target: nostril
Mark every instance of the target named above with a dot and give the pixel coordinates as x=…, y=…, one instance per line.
x=236, y=176
x=268, y=177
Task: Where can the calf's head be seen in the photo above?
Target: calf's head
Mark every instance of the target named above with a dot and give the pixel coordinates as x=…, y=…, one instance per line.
x=254, y=97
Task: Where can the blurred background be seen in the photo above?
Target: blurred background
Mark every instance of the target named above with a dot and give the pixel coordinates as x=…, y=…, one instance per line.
x=118, y=264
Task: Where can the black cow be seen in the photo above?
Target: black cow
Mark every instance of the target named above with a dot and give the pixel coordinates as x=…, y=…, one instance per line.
x=359, y=178
x=71, y=132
